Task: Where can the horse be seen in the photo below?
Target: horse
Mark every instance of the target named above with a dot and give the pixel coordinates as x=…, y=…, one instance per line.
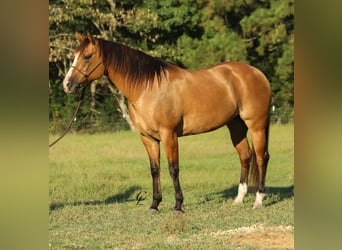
x=166, y=102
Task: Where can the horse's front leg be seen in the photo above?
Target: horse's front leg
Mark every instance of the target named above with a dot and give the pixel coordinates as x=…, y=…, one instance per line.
x=170, y=142
x=153, y=150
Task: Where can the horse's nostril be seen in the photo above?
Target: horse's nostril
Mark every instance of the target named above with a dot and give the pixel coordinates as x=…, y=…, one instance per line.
x=67, y=86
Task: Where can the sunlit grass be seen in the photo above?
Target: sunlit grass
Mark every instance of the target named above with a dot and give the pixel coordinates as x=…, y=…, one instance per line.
x=94, y=181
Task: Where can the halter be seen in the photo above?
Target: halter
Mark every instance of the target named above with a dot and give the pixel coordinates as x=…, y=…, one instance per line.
x=87, y=75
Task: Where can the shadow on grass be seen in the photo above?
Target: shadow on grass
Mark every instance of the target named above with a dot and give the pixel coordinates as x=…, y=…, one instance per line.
x=273, y=194
x=117, y=198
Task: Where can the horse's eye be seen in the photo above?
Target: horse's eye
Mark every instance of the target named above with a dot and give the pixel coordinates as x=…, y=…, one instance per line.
x=87, y=57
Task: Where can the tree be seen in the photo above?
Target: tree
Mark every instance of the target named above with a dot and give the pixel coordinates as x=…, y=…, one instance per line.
x=190, y=33
x=270, y=31
x=66, y=17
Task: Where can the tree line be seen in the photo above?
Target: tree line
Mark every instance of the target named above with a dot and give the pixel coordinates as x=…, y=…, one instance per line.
x=192, y=34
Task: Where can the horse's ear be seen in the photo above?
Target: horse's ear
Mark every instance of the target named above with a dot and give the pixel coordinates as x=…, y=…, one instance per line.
x=79, y=37
x=91, y=38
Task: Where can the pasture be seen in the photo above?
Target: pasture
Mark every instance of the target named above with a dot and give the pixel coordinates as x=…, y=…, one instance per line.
x=100, y=190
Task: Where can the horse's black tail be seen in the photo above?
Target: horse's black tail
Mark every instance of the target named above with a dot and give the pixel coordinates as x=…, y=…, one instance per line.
x=254, y=172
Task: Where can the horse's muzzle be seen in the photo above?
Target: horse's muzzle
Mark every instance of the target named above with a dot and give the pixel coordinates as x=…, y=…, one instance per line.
x=69, y=88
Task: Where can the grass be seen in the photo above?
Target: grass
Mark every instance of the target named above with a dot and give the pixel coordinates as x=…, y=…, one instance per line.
x=95, y=179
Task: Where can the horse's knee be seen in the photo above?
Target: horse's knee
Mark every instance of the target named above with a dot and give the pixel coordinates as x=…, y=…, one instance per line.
x=155, y=171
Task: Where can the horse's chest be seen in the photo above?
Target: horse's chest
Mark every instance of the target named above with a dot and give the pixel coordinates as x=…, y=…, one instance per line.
x=142, y=118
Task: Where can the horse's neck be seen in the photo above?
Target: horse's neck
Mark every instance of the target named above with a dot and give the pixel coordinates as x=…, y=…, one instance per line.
x=120, y=81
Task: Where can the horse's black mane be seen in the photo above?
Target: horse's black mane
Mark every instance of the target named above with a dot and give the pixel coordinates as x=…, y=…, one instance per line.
x=136, y=66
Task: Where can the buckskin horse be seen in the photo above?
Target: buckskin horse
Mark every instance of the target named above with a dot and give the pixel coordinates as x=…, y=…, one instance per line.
x=166, y=102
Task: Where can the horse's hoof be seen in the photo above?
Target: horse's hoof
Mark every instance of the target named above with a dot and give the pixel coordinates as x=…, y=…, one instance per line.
x=154, y=211
x=258, y=200
x=177, y=211
x=257, y=205
x=237, y=202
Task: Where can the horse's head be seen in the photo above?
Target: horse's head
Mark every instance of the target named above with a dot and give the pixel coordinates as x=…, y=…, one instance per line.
x=87, y=65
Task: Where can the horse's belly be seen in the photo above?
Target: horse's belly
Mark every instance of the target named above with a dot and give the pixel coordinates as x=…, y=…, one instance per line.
x=207, y=105
x=201, y=122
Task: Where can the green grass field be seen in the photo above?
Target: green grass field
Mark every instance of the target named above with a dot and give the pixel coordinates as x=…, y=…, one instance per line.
x=95, y=179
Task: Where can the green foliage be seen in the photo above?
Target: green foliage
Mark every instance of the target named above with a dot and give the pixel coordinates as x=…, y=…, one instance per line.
x=192, y=34
x=215, y=48
x=271, y=37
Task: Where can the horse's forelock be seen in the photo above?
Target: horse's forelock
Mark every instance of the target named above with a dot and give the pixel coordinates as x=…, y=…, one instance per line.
x=84, y=44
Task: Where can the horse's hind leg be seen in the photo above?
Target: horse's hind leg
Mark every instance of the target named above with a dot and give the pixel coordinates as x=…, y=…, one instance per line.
x=153, y=150
x=238, y=135
x=259, y=135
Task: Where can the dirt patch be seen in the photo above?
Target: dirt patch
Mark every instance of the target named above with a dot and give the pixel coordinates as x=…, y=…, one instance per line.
x=259, y=236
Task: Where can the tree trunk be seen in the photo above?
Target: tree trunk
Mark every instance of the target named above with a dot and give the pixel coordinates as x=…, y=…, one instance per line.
x=123, y=107
x=93, y=111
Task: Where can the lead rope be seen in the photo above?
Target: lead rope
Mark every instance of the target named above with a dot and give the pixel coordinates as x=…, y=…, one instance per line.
x=79, y=101
x=72, y=119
